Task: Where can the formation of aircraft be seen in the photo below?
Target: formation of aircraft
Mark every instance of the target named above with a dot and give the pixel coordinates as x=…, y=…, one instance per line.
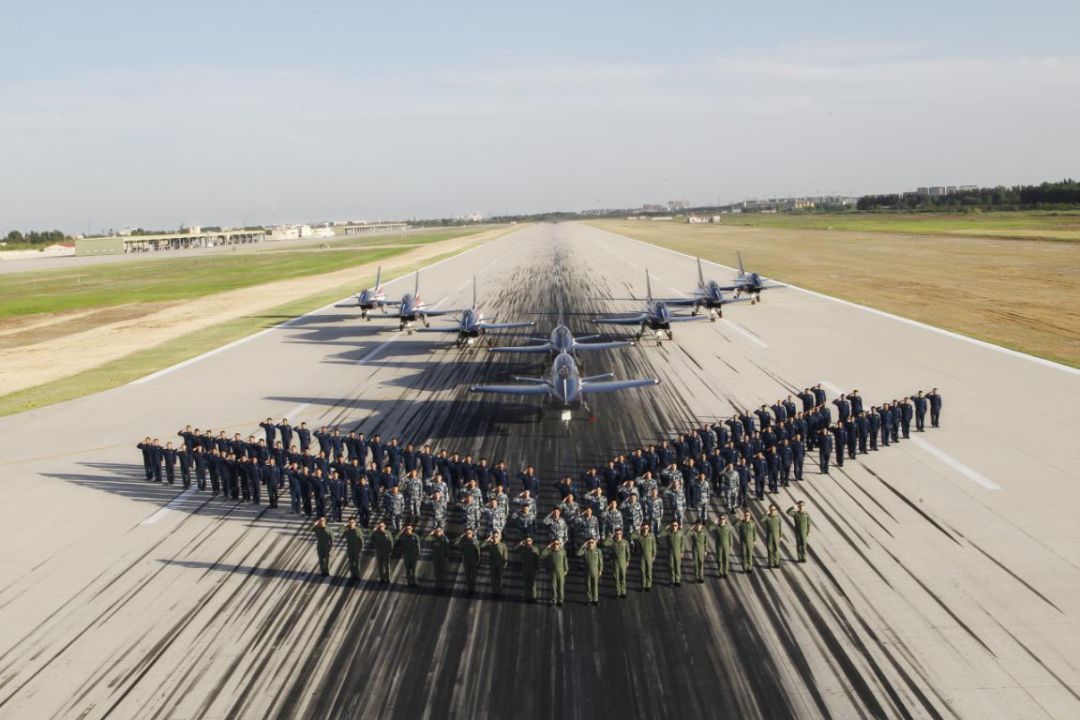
x=656, y=316
x=473, y=326
x=564, y=387
x=708, y=296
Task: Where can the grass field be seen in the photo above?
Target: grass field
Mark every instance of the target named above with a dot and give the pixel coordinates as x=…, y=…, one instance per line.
x=1021, y=225
x=1021, y=294
x=181, y=278
x=144, y=362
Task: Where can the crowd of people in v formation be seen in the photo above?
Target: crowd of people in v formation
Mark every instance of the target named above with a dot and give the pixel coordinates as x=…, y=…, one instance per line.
x=391, y=490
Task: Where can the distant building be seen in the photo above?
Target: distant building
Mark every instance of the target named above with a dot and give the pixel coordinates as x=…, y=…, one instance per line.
x=363, y=228
x=677, y=205
x=697, y=219
x=652, y=208
x=124, y=244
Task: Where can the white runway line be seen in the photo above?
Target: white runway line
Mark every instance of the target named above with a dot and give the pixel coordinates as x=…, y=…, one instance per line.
x=173, y=504
x=956, y=464
x=371, y=355
x=748, y=335
x=291, y=415
x=881, y=313
x=829, y=386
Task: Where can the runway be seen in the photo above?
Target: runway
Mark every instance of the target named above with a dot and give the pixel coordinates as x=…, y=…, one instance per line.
x=944, y=578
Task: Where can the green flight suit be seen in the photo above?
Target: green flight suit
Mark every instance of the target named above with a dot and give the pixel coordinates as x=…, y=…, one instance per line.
x=559, y=566
x=383, y=543
x=723, y=536
x=646, y=547
x=699, y=546
x=323, y=543
x=497, y=554
x=774, y=532
x=410, y=554
x=594, y=568
x=676, y=550
x=470, y=560
x=354, y=545
x=802, y=530
x=747, y=536
x=440, y=557
x=620, y=555
x=530, y=561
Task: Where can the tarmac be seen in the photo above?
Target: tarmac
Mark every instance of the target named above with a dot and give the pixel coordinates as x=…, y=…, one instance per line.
x=943, y=582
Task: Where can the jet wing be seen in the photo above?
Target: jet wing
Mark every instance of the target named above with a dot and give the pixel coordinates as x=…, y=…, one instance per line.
x=770, y=284
x=437, y=313
x=445, y=329
x=602, y=345
x=531, y=389
x=506, y=326
x=683, y=302
x=526, y=349
x=685, y=318
x=616, y=385
x=630, y=320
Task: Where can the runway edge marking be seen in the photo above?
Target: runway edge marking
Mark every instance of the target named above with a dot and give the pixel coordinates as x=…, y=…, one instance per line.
x=875, y=311
x=280, y=326
x=956, y=464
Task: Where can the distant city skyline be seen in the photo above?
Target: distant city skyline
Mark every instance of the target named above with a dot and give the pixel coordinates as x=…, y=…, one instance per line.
x=119, y=114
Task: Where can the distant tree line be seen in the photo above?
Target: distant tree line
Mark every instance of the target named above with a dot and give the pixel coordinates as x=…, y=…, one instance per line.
x=34, y=237
x=1049, y=195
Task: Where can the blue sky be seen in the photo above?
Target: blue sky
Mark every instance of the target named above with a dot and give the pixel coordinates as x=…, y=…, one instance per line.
x=127, y=113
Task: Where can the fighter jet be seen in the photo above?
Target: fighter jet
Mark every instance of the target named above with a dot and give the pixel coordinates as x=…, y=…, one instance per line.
x=656, y=316
x=709, y=296
x=472, y=325
x=750, y=284
x=562, y=340
x=563, y=386
x=373, y=298
x=412, y=309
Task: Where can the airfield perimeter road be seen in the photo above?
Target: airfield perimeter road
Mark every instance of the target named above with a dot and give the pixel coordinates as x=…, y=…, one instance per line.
x=944, y=579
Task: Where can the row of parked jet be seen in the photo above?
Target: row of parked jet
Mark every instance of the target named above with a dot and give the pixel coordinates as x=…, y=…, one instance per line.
x=564, y=386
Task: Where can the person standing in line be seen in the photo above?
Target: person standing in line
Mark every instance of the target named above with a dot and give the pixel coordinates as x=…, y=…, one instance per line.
x=747, y=537
x=323, y=543
x=774, y=533
x=801, y=518
x=558, y=565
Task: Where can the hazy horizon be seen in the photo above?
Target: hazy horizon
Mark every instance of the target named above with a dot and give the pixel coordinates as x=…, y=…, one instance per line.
x=121, y=115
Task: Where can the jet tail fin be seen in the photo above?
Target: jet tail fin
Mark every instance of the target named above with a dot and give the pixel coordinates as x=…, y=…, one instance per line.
x=378, y=278
x=700, y=274
x=648, y=287
x=416, y=290
x=742, y=270
x=474, y=292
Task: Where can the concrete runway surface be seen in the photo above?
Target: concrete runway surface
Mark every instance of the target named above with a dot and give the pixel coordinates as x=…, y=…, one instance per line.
x=943, y=580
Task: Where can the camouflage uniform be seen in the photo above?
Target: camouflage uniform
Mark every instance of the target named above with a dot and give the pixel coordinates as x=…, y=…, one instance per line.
x=556, y=528
x=729, y=488
x=594, y=567
x=654, y=512
x=611, y=520
x=492, y=520
x=632, y=514
x=471, y=516
x=394, y=508
x=676, y=500
x=438, y=510
x=413, y=489
x=587, y=528
x=596, y=501
x=525, y=520
x=703, y=490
